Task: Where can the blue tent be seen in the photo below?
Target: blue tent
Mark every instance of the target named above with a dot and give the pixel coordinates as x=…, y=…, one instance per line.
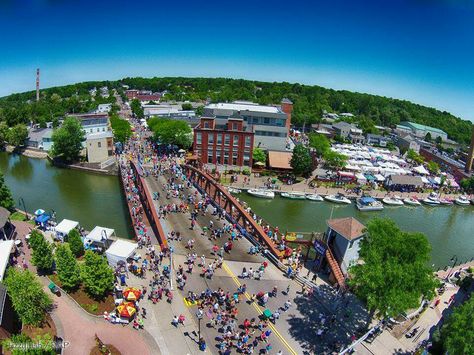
x=367, y=199
x=42, y=218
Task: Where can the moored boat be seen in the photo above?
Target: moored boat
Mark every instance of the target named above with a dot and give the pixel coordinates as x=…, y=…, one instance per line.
x=262, y=193
x=393, y=201
x=234, y=190
x=338, y=198
x=314, y=197
x=462, y=201
x=412, y=201
x=432, y=200
x=367, y=203
x=294, y=195
x=446, y=201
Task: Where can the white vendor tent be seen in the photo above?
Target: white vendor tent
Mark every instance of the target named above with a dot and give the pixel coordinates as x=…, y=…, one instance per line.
x=120, y=250
x=64, y=227
x=421, y=170
x=361, y=178
x=100, y=234
x=6, y=247
x=379, y=177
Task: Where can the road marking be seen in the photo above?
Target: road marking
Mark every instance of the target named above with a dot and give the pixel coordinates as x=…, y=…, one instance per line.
x=259, y=310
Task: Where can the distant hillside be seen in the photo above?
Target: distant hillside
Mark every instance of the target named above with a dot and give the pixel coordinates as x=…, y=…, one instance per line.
x=310, y=101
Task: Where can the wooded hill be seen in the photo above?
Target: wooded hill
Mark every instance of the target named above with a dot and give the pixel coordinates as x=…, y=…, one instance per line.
x=309, y=102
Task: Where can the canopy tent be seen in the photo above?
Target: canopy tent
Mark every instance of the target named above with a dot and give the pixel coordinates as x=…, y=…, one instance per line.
x=452, y=183
x=64, y=227
x=421, y=170
x=361, y=178
x=100, y=234
x=39, y=212
x=379, y=177
x=425, y=180
x=369, y=177
x=6, y=247
x=120, y=250
x=42, y=219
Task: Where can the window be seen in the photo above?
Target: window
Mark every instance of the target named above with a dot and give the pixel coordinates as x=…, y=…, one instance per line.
x=219, y=138
x=99, y=145
x=266, y=120
x=227, y=139
x=248, y=141
x=198, y=138
x=236, y=140
x=206, y=124
x=210, y=156
x=210, y=138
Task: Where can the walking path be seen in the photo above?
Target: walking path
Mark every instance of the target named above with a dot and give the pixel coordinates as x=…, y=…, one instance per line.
x=78, y=328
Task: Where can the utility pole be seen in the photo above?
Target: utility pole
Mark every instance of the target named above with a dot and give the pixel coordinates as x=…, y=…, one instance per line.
x=37, y=84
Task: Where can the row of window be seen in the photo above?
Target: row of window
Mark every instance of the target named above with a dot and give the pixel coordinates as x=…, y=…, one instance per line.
x=218, y=139
x=233, y=126
x=265, y=121
x=270, y=134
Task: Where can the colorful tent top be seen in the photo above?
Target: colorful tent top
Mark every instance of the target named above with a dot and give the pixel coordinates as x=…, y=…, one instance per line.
x=43, y=218
x=39, y=212
x=452, y=183
x=126, y=309
x=369, y=177
x=131, y=293
x=345, y=174
x=367, y=199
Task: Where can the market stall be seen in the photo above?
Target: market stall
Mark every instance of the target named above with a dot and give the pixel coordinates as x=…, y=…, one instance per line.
x=64, y=227
x=120, y=250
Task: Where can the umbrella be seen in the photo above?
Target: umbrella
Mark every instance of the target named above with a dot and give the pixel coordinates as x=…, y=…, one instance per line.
x=126, y=309
x=39, y=212
x=132, y=293
x=259, y=163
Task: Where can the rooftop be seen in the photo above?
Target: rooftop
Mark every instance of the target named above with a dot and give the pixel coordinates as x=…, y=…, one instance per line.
x=279, y=160
x=244, y=106
x=100, y=135
x=422, y=127
x=4, y=215
x=350, y=228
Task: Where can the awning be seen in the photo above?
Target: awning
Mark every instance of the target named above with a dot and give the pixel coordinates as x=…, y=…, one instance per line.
x=360, y=177
x=379, y=177
x=100, y=234
x=42, y=218
x=120, y=250
x=65, y=226
x=421, y=170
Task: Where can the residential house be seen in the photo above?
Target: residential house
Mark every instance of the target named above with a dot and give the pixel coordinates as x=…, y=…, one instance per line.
x=376, y=139
x=406, y=141
x=40, y=138
x=100, y=146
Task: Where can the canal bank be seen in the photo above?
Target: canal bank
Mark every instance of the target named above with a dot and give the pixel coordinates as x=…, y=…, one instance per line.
x=449, y=229
x=91, y=199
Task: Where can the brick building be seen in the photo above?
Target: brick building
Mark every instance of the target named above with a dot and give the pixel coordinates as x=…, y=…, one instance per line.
x=143, y=95
x=223, y=141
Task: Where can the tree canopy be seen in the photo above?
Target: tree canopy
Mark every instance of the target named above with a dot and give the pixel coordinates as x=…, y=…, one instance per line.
x=301, y=161
x=319, y=142
x=394, y=275
x=121, y=128
x=27, y=296
x=66, y=265
x=259, y=155
x=171, y=132
x=415, y=157
x=6, y=199
x=335, y=160
x=433, y=167
x=96, y=274
x=42, y=255
x=67, y=140
x=17, y=135
x=137, y=108
x=467, y=184
x=75, y=243
x=457, y=333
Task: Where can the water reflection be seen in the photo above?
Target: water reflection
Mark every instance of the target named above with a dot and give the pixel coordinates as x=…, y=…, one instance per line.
x=22, y=169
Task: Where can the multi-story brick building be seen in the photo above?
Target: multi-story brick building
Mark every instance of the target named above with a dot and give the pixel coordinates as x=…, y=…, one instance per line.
x=228, y=132
x=223, y=141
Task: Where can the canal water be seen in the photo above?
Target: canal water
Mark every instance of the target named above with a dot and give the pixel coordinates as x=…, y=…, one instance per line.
x=450, y=229
x=89, y=198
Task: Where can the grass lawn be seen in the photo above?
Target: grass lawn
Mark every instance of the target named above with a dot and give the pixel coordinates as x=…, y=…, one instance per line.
x=89, y=304
x=17, y=216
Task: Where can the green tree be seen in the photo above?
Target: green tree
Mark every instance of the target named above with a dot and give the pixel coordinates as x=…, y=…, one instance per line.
x=186, y=106
x=171, y=132
x=428, y=137
x=6, y=199
x=433, y=167
x=75, y=243
x=137, y=108
x=16, y=345
x=96, y=274
x=335, y=160
x=259, y=155
x=66, y=265
x=17, y=135
x=394, y=275
x=301, y=161
x=67, y=140
x=200, y=110
x=3, y=133
x=457, y=333
x=438, y=140
x=121, y=128
x=467, y=184
x=42, y=255
x=414, y=156
x=28, y=298
x=319, y=142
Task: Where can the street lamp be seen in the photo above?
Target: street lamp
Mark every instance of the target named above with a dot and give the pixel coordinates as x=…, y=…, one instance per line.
x=22, y=202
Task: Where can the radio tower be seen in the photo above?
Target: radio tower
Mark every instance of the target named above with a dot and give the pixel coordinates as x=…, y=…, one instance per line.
x=37, y=84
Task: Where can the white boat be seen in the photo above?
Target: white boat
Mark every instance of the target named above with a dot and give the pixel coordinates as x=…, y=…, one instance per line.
x=314, y=197
x=233, y=190
x=367, y=203
x=412, y=201
x=446, y=201
x=338, y=198
x=294, y=195
x=263, y=193
x=432, y=200
x=462, y=201
x=393, y=201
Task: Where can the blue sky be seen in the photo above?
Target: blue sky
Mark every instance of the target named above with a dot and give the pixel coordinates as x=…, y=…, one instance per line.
x=421, y=50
